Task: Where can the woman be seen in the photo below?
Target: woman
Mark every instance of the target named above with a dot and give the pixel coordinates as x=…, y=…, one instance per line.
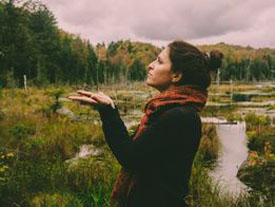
x=157, y=160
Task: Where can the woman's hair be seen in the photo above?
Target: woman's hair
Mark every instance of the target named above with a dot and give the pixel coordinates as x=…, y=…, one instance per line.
x=194, y=64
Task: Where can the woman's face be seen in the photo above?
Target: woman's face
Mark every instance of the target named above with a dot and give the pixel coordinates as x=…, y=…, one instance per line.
x=160, y=72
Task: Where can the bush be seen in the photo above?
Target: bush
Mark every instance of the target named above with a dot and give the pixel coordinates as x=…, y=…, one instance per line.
x=257, y=142
x=90, y=171
x=55, y=200
x=259, y=132
x=210, y=145
x=231, y=117
x=21, y=131
x=237, y=97
x=252, y=120
x=260, y=177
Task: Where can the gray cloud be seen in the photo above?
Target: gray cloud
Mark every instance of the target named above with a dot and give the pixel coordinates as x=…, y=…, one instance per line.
x=159, y=21
x=202, y=18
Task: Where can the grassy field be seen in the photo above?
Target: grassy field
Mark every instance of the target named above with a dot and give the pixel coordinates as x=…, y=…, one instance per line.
x=39, y=143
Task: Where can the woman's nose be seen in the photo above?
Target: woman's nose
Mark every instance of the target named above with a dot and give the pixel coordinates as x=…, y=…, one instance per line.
x=151, y=65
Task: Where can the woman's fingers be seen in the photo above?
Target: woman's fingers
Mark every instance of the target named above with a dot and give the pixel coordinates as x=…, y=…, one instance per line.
x=84, y=99
x=94, y=98
x=100, y=99
x=103, y=99
x=85, y=93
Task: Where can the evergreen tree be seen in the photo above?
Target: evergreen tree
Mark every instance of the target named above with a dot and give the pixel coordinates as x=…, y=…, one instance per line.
x=137, y=70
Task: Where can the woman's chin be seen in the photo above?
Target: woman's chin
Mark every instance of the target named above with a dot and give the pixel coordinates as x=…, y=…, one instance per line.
x=148, y=82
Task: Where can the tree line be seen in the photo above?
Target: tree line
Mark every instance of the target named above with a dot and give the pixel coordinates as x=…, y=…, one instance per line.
x=31, y=44
x=245, y=63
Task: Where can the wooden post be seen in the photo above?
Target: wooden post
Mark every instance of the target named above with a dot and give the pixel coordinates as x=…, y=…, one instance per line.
x=231, y=90
x=218, y=80
x=25, y=83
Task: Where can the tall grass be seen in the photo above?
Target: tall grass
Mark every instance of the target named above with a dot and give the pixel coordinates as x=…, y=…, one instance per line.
x=38, y=147
x=261, y=159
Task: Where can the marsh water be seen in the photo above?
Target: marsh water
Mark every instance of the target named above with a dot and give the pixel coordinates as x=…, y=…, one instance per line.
x=233, y=153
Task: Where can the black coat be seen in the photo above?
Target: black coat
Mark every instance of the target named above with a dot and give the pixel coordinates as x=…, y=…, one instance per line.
x=162, y=155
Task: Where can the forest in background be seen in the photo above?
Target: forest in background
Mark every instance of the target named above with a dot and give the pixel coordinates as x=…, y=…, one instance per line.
x=31, y=44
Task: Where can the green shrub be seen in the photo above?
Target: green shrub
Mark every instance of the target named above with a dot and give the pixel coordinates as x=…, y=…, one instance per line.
x=259, y=132
x=237, y=97
x=268, y=89
x=21, y=130
x=31, y=176
x=253, y=120
x=256, y=142
x=15, y=136
x=57, y=104
x=231, y=117
x=55, y=200
x=271, y=107
x=260, y=177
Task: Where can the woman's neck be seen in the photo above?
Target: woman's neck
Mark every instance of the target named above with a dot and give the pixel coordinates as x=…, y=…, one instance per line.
x=169, y=88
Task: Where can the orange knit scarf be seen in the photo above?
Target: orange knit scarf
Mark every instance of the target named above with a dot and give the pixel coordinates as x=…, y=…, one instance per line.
x=185, y=94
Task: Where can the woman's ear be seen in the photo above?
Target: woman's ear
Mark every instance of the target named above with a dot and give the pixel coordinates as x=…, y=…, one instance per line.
x=176, y=77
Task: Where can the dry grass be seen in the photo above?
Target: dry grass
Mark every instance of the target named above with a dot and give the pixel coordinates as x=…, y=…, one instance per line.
x=42, y=141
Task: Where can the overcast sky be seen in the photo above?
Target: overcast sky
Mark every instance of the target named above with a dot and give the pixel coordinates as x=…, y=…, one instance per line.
x=242, y=22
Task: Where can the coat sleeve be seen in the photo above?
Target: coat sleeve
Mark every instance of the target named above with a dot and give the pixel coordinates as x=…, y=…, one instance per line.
x=173, y=130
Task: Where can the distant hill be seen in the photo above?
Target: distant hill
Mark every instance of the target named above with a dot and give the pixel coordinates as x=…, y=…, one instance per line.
x=237, y=52
x=127, y=51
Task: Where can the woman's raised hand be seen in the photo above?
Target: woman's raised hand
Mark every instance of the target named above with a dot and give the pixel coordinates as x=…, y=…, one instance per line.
x=95, y=99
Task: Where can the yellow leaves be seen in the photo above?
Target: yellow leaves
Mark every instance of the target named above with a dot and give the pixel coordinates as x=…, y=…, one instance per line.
x=5, y=160
x=7, y=155
x=267, y=150
x=5, y=167
x=257, y=159
x=253, y=158
x=10, y=154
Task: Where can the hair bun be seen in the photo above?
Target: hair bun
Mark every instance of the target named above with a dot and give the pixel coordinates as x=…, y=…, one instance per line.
x=214, y=60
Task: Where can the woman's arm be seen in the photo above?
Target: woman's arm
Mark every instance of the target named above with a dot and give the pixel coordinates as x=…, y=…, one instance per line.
x=175, y=131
